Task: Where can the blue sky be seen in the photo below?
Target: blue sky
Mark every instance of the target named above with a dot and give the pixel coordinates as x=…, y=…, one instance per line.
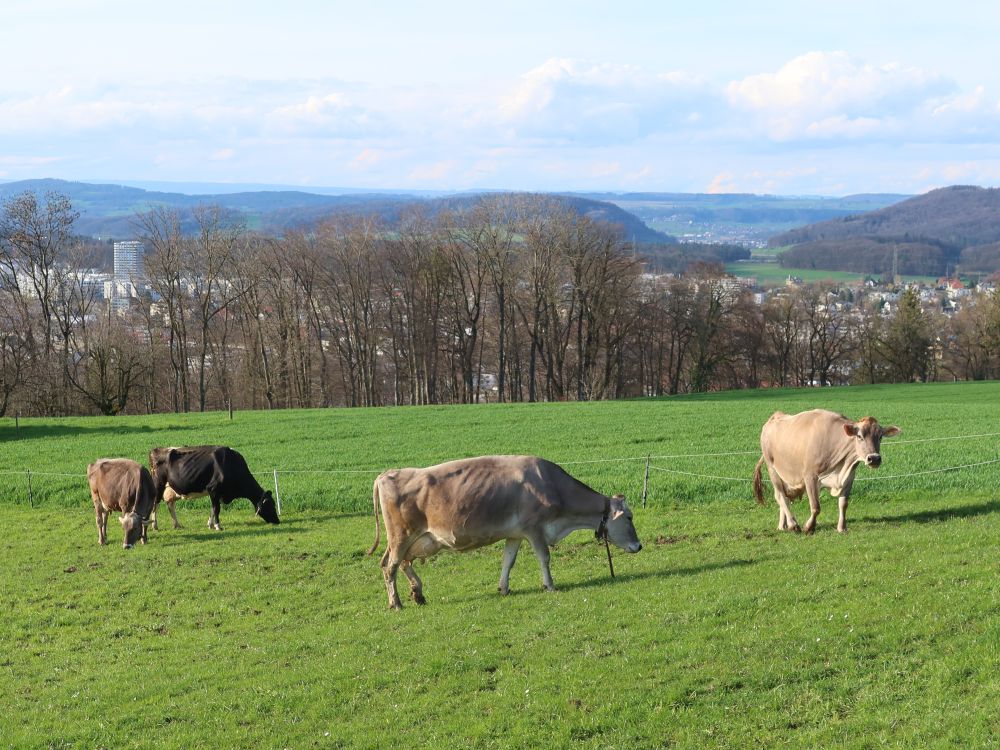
x=768, y=97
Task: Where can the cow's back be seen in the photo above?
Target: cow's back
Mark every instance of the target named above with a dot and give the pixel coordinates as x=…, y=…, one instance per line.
x=193, y=469
x=121, y=484
x=475, y=501
x=807, y=442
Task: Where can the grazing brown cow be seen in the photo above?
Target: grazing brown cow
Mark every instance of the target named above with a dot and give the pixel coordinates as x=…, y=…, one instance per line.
x=465, y=504
x=126, y=486
x=815, y=449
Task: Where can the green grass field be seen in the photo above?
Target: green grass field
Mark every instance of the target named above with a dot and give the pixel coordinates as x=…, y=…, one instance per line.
x=771, y=274
x=721, y=632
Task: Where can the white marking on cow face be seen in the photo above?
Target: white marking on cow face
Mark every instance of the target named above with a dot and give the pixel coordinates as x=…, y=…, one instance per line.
x=132, y=526
x=621, y=531
x=868, y=434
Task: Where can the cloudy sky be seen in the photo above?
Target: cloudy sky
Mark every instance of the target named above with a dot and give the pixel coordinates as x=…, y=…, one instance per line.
x=796, y=97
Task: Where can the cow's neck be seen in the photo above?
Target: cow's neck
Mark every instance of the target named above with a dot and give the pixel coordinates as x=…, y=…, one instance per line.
x=589, y=515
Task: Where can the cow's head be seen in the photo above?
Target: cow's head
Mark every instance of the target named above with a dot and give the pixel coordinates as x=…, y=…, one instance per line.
x=868, y=434
x=132, y=526
x=266, y=508
x=621, y=532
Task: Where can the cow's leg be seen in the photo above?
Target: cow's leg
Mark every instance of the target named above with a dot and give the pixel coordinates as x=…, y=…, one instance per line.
x=173, y=514
x=541, y=548
x=812, y=490
x=390, y=564
x=416, y=585
x=213, y=520
x=786, y=520
x=152, y=516
x=102, y=524
x=509, y=556
x=842, y=518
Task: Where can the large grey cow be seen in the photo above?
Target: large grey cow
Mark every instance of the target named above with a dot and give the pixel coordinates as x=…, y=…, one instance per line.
x=126, y=486
x=815, y=449
x=465, y=504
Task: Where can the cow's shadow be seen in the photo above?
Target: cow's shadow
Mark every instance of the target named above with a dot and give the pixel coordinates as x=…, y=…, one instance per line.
x=943, y=514
x=187, y=534
x=626, y=577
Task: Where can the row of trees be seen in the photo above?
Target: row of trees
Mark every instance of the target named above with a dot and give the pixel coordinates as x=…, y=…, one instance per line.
x=516, y=299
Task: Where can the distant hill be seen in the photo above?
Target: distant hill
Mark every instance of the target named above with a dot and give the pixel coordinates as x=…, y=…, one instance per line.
x=109, y=210
x=934, y=233
x=738, y=218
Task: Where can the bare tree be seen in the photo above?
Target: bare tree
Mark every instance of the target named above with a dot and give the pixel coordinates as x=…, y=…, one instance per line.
x=111, y=366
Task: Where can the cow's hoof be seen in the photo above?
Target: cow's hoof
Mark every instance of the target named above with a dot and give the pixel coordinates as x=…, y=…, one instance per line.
x=795, y=527
x=549, y=589
x=396, y=604
x=841, y=530
x=503, y=591
x=418, y=598
x=809, y=530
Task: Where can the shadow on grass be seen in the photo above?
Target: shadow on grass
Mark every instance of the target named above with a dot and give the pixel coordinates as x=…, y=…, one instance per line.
x=646, y=574
x=944, y=514
x=38, y=432
x=619, y=578
x=189, y=533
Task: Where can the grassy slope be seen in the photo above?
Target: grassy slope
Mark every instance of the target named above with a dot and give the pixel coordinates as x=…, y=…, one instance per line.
x=721, y=632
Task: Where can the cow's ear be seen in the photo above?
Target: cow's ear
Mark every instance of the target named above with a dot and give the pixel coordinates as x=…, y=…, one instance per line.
x=851, y=429
x=891, y=431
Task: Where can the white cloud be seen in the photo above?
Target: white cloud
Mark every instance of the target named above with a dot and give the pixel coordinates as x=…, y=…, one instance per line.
x=572, y=100
x=332, y=114
x=823, y=95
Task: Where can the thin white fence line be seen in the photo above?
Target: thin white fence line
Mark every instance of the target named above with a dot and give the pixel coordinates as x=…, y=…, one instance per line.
x=43, y=473
x=857, y=479
x=928, y=471
x=559, y=463
x=329, y=471
x=949, y=437
x=693, y=474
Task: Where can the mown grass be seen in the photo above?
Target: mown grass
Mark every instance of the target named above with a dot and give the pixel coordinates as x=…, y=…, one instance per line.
x=722, y=632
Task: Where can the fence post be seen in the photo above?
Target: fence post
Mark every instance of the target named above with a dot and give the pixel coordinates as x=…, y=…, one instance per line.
x=277, y=494
x=230, y=410
x=645, y=483
x=17, y=425
x=31, y=500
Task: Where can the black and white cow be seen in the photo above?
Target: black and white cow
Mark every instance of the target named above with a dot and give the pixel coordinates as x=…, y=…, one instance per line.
x=214, y=470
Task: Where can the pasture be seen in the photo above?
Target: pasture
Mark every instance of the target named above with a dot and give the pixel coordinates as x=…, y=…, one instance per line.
x=721, y=632
x=769, y=273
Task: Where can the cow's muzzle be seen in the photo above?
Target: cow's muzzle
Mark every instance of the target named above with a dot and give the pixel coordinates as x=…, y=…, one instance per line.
x=874, y=460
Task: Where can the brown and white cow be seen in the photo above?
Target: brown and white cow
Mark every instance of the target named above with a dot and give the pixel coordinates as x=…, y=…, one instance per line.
x=469, y=503
x=120, y=484
x=814, y=449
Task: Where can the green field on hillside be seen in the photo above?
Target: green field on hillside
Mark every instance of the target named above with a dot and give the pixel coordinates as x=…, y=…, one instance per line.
x=769, y=274
x=721, y=632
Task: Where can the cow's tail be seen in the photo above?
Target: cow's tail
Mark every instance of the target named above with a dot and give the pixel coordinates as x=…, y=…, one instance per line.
x=758, y=484
x=375, y=504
